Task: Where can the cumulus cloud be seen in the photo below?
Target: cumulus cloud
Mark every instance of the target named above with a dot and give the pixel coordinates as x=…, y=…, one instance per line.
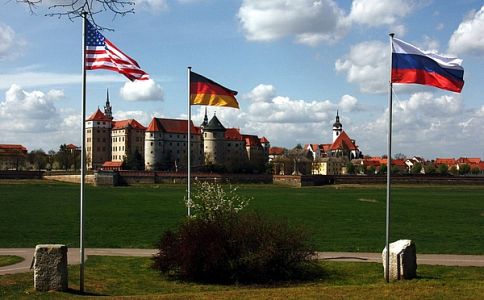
x=367, y=64
x=142, y=117
x=29, y=111
x=285, y=121
x=468, y=36
x=425, y=125
x=142, y=90
x=152, y=5
x=348, y=103
x=378, y=12
x=32, y=118
x=309, y=22
x=11, y=45
x=39, y=79
x=262, y=93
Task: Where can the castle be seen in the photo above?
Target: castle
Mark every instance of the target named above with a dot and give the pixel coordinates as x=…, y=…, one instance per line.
x=163, y=144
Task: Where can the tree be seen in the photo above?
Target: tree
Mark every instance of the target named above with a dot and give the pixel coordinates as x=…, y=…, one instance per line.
x=429, y=169
x=350, y=168
x=453, y=170
x=464, y=169
x=134, y=161
x=443, y=169
x=63, y=157
x=37, y=159
x=383, y=170
x=475, y=170
x=400, y=156
x=74, y=8
x=416, y=168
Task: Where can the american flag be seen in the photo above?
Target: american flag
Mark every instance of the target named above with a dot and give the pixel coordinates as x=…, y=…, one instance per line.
x=102, y=54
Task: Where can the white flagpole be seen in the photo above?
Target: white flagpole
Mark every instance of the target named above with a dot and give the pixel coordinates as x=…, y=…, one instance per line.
x=83, y=154
x=389, y=166
x=189, y=199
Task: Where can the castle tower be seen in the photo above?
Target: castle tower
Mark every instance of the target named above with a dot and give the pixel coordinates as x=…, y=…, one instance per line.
x=337, y=127
x=98, y=140
x=108, y=110
x=214, y=142
x=153, y=145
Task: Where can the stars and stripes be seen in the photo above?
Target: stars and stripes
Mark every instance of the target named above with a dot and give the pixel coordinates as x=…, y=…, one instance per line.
x=102, y=54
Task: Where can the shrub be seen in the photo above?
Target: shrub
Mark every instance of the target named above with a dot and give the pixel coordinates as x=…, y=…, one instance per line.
x=245, y=248
x=211, y=200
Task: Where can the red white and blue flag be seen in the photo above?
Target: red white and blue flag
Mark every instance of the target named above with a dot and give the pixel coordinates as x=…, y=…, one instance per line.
x=412, y=65
x=102, y=54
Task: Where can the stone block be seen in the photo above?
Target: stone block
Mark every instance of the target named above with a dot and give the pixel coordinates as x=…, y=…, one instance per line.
x=403, y=260
x=50, y=268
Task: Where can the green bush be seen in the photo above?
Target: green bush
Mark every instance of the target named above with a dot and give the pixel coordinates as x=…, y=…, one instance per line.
x=245, y=248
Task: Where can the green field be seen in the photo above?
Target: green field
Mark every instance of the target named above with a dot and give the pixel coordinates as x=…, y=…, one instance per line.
x=116, y=277
x=440, y=219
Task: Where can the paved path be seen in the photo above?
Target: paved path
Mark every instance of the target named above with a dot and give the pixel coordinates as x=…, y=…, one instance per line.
x=73, y=257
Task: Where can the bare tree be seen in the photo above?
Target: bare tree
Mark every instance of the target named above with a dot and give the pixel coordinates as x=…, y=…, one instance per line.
x=74, y=8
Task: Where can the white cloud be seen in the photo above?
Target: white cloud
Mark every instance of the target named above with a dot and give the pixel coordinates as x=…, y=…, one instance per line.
x=425, y=125
x=142, y=117
x=38, y=79
x=262, y=93
x=309, y=22
x=378, y=12
x=284, y=121
x=367, y=64
x=348, y=103
x=468, y=36
x=152, y=5
x=11, y=46
x=142, y=90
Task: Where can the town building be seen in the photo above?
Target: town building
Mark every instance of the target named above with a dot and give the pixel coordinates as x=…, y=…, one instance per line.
x=12, y=156
x=163, y=144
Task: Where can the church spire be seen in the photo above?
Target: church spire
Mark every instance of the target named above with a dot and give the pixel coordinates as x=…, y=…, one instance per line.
x=108, y=110
x=205, y=120
x=337, y=127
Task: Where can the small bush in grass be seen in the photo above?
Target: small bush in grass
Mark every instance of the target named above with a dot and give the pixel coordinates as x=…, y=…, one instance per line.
x=232, y=246
x=243, y=248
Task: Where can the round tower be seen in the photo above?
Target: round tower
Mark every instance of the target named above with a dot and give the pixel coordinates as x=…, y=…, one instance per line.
x=337, y=127
x=214, y=142
x=153, y=145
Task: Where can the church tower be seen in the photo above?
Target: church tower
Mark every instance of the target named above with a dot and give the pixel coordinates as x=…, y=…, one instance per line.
x=108, y=110
x=337, y=127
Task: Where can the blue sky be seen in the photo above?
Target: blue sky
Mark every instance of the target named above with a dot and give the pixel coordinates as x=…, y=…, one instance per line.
x=294, y=63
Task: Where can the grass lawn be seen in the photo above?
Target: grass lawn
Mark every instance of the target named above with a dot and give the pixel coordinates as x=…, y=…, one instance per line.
x=118, y=276
x=440, y=219
x=7, y=260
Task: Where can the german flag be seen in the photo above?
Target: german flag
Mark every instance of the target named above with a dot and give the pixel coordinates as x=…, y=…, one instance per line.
x=204, y=91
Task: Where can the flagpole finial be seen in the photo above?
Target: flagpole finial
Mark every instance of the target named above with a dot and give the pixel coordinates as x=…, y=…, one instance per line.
x=391, y=34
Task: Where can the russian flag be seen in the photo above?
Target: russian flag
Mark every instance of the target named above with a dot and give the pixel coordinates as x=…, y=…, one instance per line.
x=412, y=65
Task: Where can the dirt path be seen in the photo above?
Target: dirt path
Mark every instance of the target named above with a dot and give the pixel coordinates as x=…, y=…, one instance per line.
x=73, y=257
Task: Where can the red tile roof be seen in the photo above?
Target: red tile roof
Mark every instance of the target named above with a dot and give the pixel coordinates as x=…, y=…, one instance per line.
x=98, y=116
x=313, y=147
x=264, y=140
x=233, y=134
x=445, y=161
x=12, y=149
x=111, y=164
x=127, y=123
x=343, y=141
x=468, y=160
x=276, y=150
x=154, y=125
x=251, y=140
x=172, y=126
